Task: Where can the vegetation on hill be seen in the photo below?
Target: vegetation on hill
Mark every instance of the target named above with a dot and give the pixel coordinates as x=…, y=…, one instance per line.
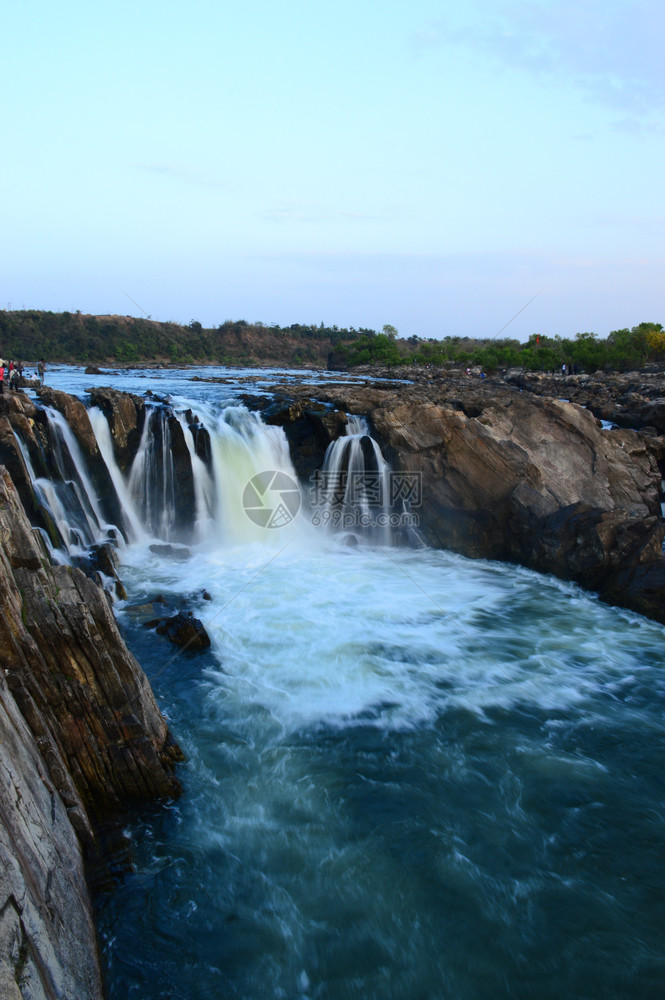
x=74, y=337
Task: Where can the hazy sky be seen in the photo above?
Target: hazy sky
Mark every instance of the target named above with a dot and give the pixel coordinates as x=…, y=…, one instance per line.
x=416, y=162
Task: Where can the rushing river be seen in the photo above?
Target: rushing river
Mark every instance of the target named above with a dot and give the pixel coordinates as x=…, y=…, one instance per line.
x=409, y=776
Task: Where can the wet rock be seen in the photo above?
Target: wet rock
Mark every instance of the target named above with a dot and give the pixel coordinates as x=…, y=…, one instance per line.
x=310, y=428
x=93, y=370
x=179, y=553
x=81, y=738
x=125, y=414
x=183, y=630
x=143, y=614
x=100, y=564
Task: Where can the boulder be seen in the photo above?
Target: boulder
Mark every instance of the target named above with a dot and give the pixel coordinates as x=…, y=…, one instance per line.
x=183, y=630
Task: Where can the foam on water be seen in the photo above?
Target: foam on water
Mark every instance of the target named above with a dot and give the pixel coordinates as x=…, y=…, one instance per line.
x=322, y=634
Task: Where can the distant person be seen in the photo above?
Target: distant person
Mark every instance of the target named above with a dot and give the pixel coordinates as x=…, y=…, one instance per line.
x=2, y=376
x=563, y=369
x=41, y=368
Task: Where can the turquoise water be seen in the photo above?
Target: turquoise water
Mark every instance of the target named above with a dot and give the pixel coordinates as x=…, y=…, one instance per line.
x=409, y=775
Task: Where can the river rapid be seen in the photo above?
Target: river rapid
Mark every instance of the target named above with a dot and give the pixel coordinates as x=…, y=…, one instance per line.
x=408, y=775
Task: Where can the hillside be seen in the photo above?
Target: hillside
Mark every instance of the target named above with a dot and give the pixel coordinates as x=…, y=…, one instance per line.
x=76, y=337
x=27, y=335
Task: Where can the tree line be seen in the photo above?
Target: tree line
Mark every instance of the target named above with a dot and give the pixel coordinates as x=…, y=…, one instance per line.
x=75, y=337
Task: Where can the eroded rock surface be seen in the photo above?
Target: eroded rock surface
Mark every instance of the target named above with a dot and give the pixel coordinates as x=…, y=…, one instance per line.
x=81, y=737
x=513, y=476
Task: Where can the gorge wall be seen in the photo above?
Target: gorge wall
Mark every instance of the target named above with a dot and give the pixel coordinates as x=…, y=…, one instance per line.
x=81, y=740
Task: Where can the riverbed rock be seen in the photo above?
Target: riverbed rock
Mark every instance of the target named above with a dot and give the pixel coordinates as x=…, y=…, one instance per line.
x=183, y=630
x=178, y=553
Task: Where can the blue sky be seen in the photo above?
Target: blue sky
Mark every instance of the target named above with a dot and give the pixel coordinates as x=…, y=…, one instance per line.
x=422, y=164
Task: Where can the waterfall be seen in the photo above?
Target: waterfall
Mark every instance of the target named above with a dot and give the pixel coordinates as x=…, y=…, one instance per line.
x=83, y=507
x=353, y=490
x=67, y=496
x=202, y=474
x=105, y=444
x=204, y=487
x=255, y=483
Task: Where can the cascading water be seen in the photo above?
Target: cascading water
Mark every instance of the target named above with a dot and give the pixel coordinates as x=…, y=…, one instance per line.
x=68, y=495
x=152, y=479
x=408, y=774
x=357, y=493
x=251, y=468
x=83, y=508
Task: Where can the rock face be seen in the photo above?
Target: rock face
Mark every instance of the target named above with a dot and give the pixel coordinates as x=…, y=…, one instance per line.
x=47, y=937
x=533, y=481
x=125, y=414
x=73, y=677
x=21, y=418
x=82, y=738
x=309, y=429
x=507, y=475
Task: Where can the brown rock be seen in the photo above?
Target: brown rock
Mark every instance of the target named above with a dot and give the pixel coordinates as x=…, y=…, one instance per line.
x=126, y=415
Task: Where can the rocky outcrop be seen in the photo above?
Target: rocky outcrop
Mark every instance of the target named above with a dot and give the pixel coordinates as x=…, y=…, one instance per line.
x=507, y=475
x=47, y=938
x=183, y=630
x=631, y=399
x=25, y=430
x=533, y=481
x=73, y=677
x=309, y=429
x=125, y=414
x=81, y=738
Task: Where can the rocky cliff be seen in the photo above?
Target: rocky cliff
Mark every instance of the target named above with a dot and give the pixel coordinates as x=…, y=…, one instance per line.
x=510, y=475
x=82, y=738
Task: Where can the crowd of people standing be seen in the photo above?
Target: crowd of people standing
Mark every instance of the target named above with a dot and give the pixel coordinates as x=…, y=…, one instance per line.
x=11, y=373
